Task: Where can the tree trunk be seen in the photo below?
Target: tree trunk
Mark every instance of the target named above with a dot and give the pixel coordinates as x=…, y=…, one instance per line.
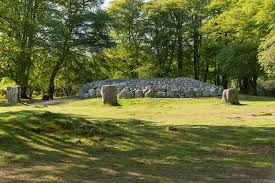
x=180, y=45
x=54, y=73
x=225, y=81
x=24, y=92
x=180, y=55
x=244, y=85
x=196, y=56
x=206, y=71
x=253, y=85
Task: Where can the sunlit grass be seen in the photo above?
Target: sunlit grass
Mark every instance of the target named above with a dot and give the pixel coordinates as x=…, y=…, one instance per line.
x=151, y=140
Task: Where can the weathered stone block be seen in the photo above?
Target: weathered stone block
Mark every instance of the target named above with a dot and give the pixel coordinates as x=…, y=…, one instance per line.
x=109, y=95
x=230, y=96
x=14, y=94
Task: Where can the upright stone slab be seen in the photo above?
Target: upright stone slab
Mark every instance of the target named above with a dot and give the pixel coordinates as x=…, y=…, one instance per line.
x=230, y=96
x=14, y=94
x=109, y=95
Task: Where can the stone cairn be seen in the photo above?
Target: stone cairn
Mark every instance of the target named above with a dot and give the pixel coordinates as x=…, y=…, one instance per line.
x=109, y=95
x=230, y=96
x=14, y=94
x=153, y=88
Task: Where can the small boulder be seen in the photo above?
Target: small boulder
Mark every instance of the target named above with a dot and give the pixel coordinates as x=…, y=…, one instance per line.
x=206, y=93
x=149, y=94
x=92, y=93
x=161, y=94
x=190, y=93
x=126, y=93
x=109, y=95
x=139, y=94
x=230, y=96
x=45, y=98
x=98, y=92
x=84, y=95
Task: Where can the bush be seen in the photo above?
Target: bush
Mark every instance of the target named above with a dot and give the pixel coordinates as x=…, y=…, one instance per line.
x=2, y=94
x=267, y=88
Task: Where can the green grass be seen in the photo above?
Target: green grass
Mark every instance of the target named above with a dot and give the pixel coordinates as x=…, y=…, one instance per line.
x=144, y=140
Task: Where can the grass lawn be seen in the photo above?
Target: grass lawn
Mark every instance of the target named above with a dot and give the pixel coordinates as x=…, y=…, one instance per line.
x=144, y=140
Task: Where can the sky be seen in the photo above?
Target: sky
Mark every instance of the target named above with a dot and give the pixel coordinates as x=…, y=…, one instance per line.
x=106, y=2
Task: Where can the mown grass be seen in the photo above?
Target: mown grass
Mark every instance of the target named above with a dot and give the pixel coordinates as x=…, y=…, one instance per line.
x=144, y=140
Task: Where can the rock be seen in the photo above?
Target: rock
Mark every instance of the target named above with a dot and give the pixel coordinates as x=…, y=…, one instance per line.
x=109, y=95
x=170, y=94
x=98, y=92
x=78, y=142
x=206, y=93
x=158, y=87
x=198, y=92
x=14, y=94
x=190, y=93
x=84, y=96
x=149, y=94
x=172, y=128
x=160, y=94
x=213, y=92
x=92, y=93
x=126, y=93
x=45, y=98
x=139, y=94
x=230, y=96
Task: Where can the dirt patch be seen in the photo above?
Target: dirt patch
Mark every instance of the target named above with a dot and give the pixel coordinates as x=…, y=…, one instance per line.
x=252, y=116
x=56, y=101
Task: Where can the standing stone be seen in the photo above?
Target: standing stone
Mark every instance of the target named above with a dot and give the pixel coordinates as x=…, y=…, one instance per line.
x=109, y=95
x=14, y=94
x=230, y=96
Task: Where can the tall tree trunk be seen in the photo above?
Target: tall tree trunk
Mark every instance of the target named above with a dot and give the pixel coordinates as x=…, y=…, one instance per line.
x=225, y=81
x=180, y=55
x=253, y=85
x=244, y=85
x=206, y=71
x=54, y=73
x=180, y=44
x=196, y=55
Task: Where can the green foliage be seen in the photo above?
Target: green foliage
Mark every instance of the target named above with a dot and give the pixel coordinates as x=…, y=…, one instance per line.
x=267, y=53
x=239, y=59
x=59, y=45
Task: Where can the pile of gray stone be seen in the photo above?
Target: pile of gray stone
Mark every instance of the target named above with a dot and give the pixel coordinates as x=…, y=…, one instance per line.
x=181, y=87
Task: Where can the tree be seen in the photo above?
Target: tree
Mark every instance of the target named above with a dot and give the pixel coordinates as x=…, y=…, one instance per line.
x=74, y=30
x=238, y=27
x=267, y=54
x=128, y=32
x=19, y=31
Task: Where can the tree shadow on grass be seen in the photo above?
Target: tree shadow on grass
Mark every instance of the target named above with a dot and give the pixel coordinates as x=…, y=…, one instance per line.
x=42, y=146
x=256, y=98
